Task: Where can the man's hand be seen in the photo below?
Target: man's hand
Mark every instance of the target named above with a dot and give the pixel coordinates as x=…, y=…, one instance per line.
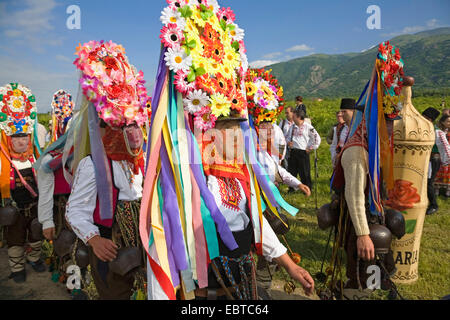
x=49, y=233
x=366, y=250
x=290, y=144
x=297, y=273
x=301, y=275
x=305, y=189
x=309, y=150
x=104, y=249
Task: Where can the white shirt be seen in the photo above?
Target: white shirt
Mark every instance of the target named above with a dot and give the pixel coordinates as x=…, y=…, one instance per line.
x=285, y=125
x=304, y=137
x=443, y=147
x=341, y=142
x=46, y=188
x=234, y=213
x=272, y=167
x=82, y=201
x=280, y=143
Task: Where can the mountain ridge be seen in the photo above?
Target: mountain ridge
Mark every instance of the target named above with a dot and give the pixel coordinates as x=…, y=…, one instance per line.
x=426, y=57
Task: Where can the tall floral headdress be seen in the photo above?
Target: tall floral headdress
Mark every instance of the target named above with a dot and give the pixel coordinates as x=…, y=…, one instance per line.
x=17, y=109
x=111, y=83
x=62, y=112
x=264, y=96
x=390, y=69
x=200, y=80
x=205, y=50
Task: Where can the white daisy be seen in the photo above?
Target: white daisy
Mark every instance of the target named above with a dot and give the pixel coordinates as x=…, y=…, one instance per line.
x=237, y=34
x=195, y=101
x=177, y=59
x=214, y=5
x=170, y=15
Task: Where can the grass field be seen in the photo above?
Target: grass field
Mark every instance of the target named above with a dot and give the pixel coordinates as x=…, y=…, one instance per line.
x=309, y=241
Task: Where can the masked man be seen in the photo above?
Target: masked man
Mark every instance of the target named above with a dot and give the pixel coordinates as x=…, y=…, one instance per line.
x=18, y=181
x=103, y=208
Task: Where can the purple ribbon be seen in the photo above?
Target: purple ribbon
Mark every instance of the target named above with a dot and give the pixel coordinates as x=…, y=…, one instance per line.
x=103, y=176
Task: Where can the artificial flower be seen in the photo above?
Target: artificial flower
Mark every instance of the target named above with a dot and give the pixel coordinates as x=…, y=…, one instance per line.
x=177, y=59
x=172, y=16
x=220, y=105
x=204, y=119
x=226, y=14
x=237, y=34
x=195, y=101
x=171, y=35
x=182, y=84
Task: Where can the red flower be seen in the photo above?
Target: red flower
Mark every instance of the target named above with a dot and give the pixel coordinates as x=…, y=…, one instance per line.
x=110, y=63
x=403, y=196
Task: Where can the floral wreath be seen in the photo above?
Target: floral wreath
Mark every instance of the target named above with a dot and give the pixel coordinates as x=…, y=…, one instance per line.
x=264, y=96
x=390, y=68
x=17, y=109
x=111, y=83
x=62, y=106
x=205, y=49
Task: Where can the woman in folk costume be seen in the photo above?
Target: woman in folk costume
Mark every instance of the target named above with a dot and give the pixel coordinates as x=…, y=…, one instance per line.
x=18, y=184
x=443, y=145
x=265, y=103
x=363, y=173
x=108, y=162
x=203, y=203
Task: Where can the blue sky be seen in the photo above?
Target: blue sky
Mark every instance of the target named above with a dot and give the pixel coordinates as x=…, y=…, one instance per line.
x=37, y=49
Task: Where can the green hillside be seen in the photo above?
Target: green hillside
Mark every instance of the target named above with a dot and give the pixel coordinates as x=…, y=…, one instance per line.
x=425, y=55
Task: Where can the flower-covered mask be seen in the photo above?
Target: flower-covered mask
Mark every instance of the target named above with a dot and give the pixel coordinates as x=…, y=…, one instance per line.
x=264, y=96
x=112, y=84
x=17, y=109
x=205, y=50
x=390, y=69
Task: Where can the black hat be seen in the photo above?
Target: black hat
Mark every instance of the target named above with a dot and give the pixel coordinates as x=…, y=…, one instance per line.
x=349, y=104
x=431, y=113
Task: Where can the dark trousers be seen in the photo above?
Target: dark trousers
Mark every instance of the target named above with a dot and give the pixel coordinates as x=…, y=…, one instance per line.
x=435, y=165
x=20, y=233
x=299, y=164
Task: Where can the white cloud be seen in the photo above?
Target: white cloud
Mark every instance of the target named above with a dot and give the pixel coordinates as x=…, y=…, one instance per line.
x=272, y=55
x=300, y=47
x=262, y=63
x=30, y=25
x=43, y=83
x=430, y=24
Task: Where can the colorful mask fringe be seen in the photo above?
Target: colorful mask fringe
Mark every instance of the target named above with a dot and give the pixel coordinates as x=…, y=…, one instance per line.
x=381, y=92
x=113, y=91
x=62, y=111
x=264, y=96
x=179, y=219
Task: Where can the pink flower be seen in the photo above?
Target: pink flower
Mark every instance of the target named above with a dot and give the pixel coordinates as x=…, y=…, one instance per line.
x=204, y=119
x=176, y=3
x=226, y=14
x=171, y=35
x=182, y=84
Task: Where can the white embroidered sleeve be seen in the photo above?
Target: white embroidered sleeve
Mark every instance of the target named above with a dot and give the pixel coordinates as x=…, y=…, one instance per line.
x=443, y=147
x=272, y=247
x=288, y=178
x=82, y=201
x=46, y=186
